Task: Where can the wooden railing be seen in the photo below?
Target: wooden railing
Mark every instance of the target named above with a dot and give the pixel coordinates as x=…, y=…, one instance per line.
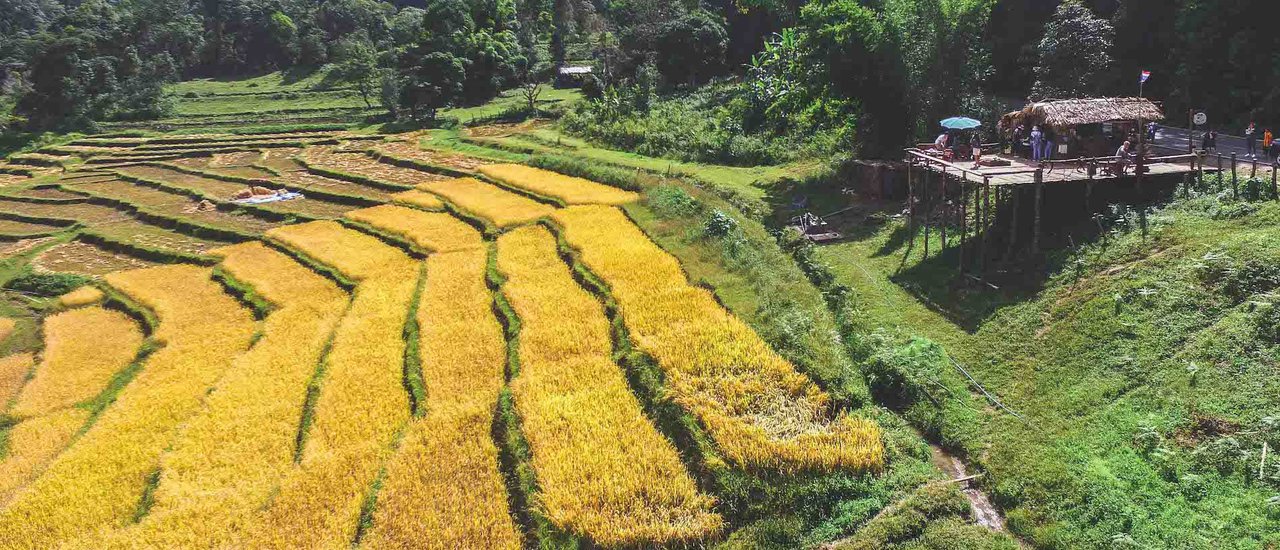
x=914, y=154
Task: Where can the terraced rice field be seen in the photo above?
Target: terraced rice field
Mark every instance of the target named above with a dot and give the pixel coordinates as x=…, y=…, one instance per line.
x=407, y=149
x=222, y=190
x=433, y=372
x=175, y=205
x=83, y=258
x=21, y=228
x=359, y=164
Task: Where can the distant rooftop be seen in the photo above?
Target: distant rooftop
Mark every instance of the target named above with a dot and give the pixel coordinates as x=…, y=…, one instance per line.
x=580, y=69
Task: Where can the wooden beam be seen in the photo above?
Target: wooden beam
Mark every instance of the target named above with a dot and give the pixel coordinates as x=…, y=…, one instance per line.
x=1088, y=197
x=1235, y=189
x=986, y=212
x=1219, y=171
x=911, y=202
x=964, y=219
x=1274, y=194
x=1035, y=239
x=1200, y=172
x=1013, y=222
x=942, y=203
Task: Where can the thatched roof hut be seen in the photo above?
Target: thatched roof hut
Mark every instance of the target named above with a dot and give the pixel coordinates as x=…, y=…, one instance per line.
x=1075, y=112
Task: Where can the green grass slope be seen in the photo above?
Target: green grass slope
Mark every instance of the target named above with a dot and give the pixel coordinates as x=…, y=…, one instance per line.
x=1145, y=370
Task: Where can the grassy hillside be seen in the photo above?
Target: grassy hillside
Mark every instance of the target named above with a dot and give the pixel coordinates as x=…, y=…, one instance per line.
x=1144, y=367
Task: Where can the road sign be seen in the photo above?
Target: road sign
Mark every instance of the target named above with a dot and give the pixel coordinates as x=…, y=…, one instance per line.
x=1200, y=119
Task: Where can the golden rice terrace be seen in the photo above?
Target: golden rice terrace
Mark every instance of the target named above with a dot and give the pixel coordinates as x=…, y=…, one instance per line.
x=304, y=340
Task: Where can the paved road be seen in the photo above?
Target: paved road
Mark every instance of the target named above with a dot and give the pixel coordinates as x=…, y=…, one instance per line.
x=1176, y=138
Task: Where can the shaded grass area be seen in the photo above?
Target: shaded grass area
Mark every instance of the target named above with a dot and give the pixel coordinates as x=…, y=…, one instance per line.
x=1143, y=362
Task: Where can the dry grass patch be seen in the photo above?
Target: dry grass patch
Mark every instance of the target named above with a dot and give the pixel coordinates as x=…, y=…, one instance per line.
x=502, y=208
x=462, y=502
x=409, y=149
x=359, y=164
x=761, y=412
x=603, y=470
x=18, y=228
x=11, y=249
x=99, y=481
x=157, y=238
x=175, y=205
x=85, y=259
x=89, y=214
x=432, y=231
x=224, y=190
x=307, y=180
x=281, y=159
x=569, y=189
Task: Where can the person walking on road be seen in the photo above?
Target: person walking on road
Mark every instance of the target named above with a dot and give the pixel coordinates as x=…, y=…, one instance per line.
x=1209, y=142
x=1251, y=138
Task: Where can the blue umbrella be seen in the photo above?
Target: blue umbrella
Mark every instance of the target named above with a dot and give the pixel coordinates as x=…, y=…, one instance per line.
x=960, y=123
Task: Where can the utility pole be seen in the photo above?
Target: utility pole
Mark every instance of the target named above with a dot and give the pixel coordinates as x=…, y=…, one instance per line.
x=1142, y=134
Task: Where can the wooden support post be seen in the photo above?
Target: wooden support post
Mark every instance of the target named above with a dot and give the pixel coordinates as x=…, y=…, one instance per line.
x=1035, y=239
x=1088, y=197
x=1013, y=221
x=1235, y=188
x=946, y=214
x=1254, y=172
x=1219, y=171
x=1200, y=171
x=1274, y=194
x=986, y=212
x=964, y=218
x=911, y=201
x=927, y=209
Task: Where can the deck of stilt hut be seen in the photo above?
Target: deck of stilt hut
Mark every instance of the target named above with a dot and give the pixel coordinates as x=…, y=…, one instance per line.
x=1027, y=172
x=981, y=215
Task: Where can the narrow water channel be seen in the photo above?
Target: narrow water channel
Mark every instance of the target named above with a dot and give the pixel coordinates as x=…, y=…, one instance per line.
x=984, y=513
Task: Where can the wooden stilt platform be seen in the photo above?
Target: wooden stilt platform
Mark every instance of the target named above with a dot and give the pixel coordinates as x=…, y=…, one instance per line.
x=936, y=186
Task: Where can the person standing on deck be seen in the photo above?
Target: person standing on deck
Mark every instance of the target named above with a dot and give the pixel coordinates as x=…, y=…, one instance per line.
x=1037, y=142
x=1049, y=138
x=1251, y=138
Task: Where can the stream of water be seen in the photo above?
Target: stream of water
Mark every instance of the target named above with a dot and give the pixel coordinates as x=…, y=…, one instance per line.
x=984, y=513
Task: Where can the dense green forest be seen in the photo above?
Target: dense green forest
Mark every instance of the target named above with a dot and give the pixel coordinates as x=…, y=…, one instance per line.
x=787, y=77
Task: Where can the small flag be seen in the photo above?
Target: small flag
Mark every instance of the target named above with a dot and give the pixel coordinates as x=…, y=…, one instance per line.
x=1145, y=76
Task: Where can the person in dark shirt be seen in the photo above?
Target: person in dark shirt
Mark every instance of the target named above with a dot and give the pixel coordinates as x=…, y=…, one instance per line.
x=1209, y=142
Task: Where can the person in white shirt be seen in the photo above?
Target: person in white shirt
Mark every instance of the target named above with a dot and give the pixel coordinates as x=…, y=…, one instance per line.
x=1123, y=157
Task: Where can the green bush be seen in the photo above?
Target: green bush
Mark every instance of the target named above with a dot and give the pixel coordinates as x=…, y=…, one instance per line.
x=46, y=284
x=703, y=126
